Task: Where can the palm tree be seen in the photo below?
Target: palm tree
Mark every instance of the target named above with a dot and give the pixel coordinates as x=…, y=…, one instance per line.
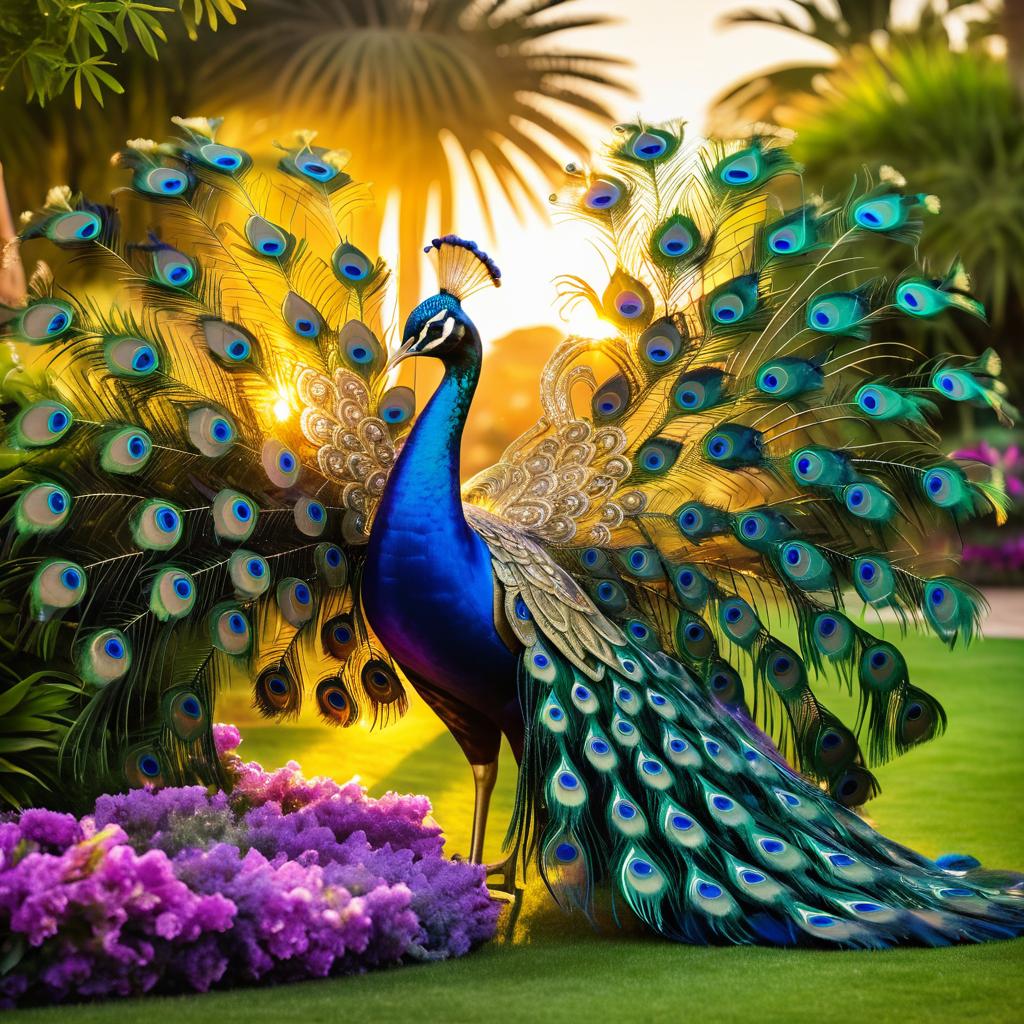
x=403, y=84
x=841, y=25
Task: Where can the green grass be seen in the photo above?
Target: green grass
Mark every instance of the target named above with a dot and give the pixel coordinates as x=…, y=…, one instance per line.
x=960, y=793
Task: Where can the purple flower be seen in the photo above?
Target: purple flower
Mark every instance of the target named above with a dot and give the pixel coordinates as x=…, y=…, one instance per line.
x=283, y=878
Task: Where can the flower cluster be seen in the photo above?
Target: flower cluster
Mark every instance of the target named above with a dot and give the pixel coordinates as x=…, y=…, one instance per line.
x=283, y=878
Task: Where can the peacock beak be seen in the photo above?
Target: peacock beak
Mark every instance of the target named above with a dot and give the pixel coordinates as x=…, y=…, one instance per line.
x=403, y=353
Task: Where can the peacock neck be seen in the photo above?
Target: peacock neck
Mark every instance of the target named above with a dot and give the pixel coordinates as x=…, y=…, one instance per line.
x=426, y=478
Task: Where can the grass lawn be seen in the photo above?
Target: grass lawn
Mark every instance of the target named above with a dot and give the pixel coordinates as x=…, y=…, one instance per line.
x=960, y=793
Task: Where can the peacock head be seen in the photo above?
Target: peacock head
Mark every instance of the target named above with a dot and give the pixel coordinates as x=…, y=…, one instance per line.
x=439, y=326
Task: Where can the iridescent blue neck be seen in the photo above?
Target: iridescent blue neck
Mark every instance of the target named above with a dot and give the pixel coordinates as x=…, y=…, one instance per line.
x=426, y=479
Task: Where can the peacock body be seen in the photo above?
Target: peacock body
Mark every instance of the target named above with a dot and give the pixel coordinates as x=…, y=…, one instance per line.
x=210, y=473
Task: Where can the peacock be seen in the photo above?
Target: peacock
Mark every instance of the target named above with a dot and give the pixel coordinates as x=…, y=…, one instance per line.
x=210, y=473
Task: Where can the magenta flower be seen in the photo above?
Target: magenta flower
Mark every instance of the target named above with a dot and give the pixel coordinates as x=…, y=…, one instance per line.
x=1007, y=465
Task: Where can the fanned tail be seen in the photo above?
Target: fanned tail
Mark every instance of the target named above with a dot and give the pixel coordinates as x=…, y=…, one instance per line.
x=758, y=441
x=187, y=437
x=753, y=443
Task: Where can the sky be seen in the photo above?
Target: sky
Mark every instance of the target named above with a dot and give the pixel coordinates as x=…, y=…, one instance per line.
x=683, y=57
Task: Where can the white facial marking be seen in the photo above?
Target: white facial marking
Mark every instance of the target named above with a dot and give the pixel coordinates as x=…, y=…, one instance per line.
x=426, y=326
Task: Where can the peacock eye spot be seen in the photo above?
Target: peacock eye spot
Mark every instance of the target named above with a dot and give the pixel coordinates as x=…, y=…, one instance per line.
x=870, y=402
x=56, y=502
x=242, y=511
x=191, y=707
x=686, y=578
x=333, y=558
x=556, y=714
x=236, y=623
x=167, y=520
x=639, y=630
x=793, y=556
x=772, y=845
x=565, y=852
x=342, y=635
x=71, y=578
x=857, y=497
x=302, y=594
x=822, y=318
x=879, y=659
x=315, y=511
x=599, y=747
x=935, y=484
x=605, y=591
x=804, y=465
x=690, y=518
x=278, y=685
x=541, y=660
x=601, y=200
x=305, y=327
x=938, y=595
x=827, y=627
x=337, y=700
x=136, y=447
x=783, y=244
x=782, y=664
x=568, y=781
x=182, y=588
x=221, y=430
x=58, y=420
x=171, y=184
x=238, y=349
x=867, y=573
x=286, y=462
x=270, y=246
x=831, y=740
x=737, y=174
x=638, y=559
x=771, y=380
x=914, y=712
x=688, y=398
x=149, y=766
x=694, y=632
x=947, y=383
x=113, y=648
x=750, y=526
x=57, y=323
x=255, y=567
x=625, y=810
x=226, y=161
x=718, y=447
x=733, y=615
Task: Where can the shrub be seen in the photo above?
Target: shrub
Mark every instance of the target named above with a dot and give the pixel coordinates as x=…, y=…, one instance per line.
x=184, y=888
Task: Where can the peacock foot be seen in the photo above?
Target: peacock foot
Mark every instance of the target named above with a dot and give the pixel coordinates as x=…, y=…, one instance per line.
x=507, y=889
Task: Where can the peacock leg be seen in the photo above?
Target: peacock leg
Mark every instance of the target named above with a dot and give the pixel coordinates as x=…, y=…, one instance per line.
x=484, y=778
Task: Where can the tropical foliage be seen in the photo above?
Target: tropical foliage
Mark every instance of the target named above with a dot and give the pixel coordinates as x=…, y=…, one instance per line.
x=47, y=45
x=842, y=26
